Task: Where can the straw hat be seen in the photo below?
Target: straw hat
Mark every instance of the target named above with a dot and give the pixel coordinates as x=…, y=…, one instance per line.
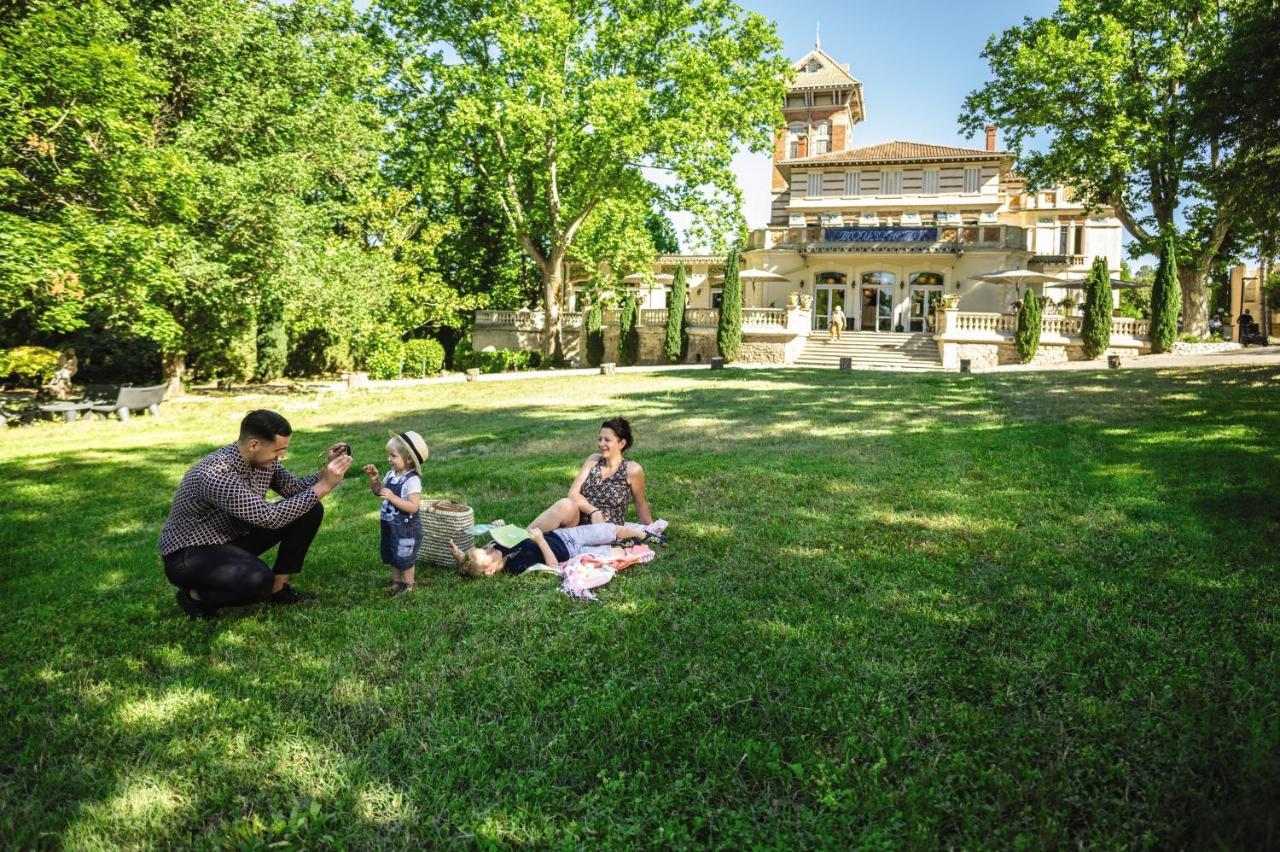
x=418, y=451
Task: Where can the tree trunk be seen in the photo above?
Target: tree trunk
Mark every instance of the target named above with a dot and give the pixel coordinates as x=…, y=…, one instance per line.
x=552, y=286
x=1264, y=270
x=174, y=367
x=1195, y=302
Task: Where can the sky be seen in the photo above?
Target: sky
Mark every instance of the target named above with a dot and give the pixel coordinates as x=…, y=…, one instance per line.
x=916, y=61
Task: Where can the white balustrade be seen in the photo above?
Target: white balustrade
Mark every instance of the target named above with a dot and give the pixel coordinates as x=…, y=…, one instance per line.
x=764, y=317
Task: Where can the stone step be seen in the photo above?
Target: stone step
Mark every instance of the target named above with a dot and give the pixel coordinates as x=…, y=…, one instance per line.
x=873, y=351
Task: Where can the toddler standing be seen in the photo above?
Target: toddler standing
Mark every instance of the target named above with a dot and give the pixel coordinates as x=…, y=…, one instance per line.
x=401, y=493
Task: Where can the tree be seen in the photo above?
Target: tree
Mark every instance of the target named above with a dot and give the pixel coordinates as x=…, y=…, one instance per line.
x=571, y=103
x=1096, y=327
x=1166, y=297
x=729, y=323
x=676, y=344
x=595, y=335
x=629, y=331
x=1030, y=322
x=1104, y=83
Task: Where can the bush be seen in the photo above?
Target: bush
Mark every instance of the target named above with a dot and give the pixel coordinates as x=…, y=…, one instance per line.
x=729, y=326
x=676, y=345
x=595, y=335
x=1029, y=326
x=384, y=354
x=1096, y=328
x=1166, y=296
x=273, y=347
x=423, y=357
x=30, y=366
x=318, y=352
x=629, y=332
x=111, y=358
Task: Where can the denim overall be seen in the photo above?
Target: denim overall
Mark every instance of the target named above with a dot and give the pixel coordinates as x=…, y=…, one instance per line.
x=401, y=531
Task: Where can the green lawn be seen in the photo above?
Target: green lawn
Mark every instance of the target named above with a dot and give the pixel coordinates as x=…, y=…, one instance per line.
x=1002, y=611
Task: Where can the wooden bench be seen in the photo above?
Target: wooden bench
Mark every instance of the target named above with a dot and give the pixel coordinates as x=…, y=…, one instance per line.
x=130, y=400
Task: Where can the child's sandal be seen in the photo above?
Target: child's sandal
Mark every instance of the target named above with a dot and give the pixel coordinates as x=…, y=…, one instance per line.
x=403, y=589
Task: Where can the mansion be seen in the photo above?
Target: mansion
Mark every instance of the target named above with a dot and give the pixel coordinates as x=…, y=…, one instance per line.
x=888, y=231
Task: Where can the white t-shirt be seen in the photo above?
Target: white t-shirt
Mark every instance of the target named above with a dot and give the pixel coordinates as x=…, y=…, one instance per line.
x=405, y=486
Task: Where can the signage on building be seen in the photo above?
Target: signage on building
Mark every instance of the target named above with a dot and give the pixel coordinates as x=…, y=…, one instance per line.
x=881, y=235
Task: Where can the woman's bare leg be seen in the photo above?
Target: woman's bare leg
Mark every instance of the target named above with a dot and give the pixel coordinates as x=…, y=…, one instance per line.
x=562, y=513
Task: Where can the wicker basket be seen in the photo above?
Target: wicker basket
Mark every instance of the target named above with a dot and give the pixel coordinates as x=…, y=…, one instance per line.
x=445, y=521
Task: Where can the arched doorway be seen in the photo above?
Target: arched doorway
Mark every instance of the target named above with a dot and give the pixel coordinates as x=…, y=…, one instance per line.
x=829, y=291
x=877, y=301
x=924, y=291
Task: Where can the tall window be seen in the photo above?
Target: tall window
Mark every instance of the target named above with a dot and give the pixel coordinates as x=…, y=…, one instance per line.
x=890, y=182
x=795, y=132
x=815, y=184
x=971, y=178
x=853, y=183
x=930, y=181
x=822, y=138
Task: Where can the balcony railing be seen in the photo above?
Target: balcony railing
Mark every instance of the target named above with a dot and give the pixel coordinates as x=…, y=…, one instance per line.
x=1058, y=260
x=950, y=238
x=752, y=318
x=967, y=323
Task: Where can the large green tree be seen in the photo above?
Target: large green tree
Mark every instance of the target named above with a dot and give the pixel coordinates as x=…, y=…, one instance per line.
x=178, y=171
x=1095, y=96
x=568, y=104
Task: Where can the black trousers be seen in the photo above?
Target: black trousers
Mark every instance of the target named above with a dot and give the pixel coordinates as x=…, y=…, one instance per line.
x=232, y=574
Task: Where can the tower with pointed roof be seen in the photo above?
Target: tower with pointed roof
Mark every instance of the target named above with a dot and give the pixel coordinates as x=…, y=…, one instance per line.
x=824, y=102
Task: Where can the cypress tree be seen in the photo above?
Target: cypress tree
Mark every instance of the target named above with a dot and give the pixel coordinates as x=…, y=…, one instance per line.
x=1166, y=296
x=1029, y=325
x=629, y=332
x=595, y=335
x=1096, y=328
x=675, y=346
x=729, y=326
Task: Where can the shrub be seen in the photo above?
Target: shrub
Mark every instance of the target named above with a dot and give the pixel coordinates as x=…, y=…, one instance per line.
x=729, y=325
x=110, y=357
x=31, y=366
x=273, y=346
x=423, y=357
x=1096, y=328
x=1166, y=296
x=629, y=332
x=676, y=345
x=1029, y=325
x=384, y=354
x=595, y=335
x=319, y=351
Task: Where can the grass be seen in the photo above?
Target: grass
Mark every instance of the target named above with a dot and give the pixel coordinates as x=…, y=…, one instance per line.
x=1033, y=610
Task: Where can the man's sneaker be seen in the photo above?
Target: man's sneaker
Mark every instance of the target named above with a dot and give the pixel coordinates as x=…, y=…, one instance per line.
x=289, y=595
x=192, y=607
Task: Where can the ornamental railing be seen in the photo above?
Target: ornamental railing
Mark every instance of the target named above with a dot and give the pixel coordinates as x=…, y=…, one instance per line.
x=1006, y=325
x=946, y=238
x=764, y=319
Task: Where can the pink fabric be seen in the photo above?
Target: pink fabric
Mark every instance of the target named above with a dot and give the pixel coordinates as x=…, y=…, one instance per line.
x=587, y=571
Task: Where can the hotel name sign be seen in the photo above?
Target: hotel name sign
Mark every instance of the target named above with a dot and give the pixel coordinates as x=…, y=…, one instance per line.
x=864, y=239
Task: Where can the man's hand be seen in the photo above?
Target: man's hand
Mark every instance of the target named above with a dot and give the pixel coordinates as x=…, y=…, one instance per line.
x=342, y=448
x=332, y=474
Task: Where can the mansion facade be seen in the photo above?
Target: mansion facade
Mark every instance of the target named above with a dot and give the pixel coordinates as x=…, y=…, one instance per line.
x=890, y=233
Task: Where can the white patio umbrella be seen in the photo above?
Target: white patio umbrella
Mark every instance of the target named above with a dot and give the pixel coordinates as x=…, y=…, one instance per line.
x=1019, y=278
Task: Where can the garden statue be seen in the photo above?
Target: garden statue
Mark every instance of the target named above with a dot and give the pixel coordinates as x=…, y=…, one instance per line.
x=59, y=387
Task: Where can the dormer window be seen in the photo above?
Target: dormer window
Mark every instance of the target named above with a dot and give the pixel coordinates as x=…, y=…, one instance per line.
x=813, y=67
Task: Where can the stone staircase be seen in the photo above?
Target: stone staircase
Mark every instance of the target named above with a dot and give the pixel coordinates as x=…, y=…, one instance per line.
x=869, y=350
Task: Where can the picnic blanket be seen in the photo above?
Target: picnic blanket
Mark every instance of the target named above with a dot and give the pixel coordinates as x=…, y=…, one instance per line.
x=587, y=571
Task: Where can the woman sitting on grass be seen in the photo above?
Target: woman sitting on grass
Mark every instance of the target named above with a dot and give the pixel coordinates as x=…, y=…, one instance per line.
x=605, y=484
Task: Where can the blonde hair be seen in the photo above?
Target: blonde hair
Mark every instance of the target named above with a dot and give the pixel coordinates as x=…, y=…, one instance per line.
x=403, y=450
x=470, y=565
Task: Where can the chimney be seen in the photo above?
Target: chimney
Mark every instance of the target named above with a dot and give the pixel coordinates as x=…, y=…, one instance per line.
x=991, y=137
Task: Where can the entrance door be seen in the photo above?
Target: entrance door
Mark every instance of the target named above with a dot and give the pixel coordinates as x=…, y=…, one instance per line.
x=828, y=298
x=926, y=292
x=877, y=301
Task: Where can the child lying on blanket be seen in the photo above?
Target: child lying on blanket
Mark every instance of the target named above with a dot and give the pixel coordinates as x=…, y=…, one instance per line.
x=550, y=549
